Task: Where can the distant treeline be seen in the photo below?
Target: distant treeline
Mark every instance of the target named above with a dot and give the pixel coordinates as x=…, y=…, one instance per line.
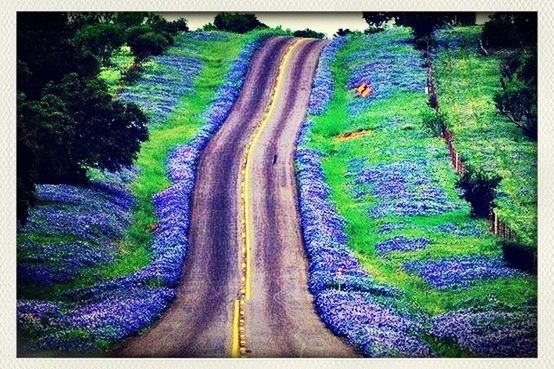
x=514, y=34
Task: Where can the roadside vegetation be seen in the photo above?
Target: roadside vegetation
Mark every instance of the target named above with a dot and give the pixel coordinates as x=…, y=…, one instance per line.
x=67, y=120
x=117, y=243
x=114, y=110
x=431, y=267
x=470, y=91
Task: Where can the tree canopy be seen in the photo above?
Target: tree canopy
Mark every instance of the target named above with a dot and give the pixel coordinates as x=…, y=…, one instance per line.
x=237, y=22
x=308, y=33
x=67, y=121
x=421, y=23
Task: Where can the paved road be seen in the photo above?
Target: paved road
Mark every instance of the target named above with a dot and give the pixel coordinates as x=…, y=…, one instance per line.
x=280, y=319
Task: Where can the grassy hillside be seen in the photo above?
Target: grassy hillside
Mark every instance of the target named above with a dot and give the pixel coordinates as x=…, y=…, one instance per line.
x=392, y=183
x=466, y=84
x=117, y=245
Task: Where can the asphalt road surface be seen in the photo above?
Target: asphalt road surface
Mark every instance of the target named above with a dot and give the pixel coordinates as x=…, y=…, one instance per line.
x=280, y=320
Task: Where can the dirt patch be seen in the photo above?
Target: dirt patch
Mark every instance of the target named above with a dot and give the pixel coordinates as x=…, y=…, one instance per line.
x=353, y=135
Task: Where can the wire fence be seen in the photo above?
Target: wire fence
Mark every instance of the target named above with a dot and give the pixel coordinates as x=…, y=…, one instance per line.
x=498, y=227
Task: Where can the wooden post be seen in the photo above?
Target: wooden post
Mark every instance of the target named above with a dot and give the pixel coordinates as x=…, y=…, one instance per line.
x=456, y=161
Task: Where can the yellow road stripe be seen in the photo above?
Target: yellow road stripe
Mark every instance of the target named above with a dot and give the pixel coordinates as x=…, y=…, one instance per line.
x=247, y=185
x=238, y=348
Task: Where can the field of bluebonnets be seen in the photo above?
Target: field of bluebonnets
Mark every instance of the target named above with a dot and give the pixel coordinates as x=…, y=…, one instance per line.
x=397, y=264
x=90, y=272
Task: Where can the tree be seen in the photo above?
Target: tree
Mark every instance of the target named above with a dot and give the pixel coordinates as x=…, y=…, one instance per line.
x=510, y=30
x=66, y=120
x=343, y=32
x=27, y=174
x=518, y=98
x=308, y=33
x=209, y=27
x=90, y=129
x=516, y=35
x=145, y=41
x=131, y=19
x=101, y=39
x=376, y=20
x=45, y=52
x=178, y=25
x=478, y=188
x=237, y=22
x=422, y=23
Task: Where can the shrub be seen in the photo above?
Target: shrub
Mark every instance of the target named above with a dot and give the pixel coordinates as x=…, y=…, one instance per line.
x=308, y=33
x=422, y=23
x=520, y=256
x=478, y=188
x=144, y=41
x=433, y=122
x=237, y=22
x=343, y=32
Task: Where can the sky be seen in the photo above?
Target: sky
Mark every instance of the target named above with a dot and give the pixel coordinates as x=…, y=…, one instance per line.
x=327, y=23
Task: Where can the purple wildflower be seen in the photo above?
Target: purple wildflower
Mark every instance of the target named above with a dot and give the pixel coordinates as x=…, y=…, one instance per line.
x=460, y=271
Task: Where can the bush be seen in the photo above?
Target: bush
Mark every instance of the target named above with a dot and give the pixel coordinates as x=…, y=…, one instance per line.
x=520, y=256
x=237, y=22
x=144, y=41
x=433, y=122
x=100, y=39
x=422, y=23
x=209, y=27
x=343, y=32
x=308, y=33
x=478, y=188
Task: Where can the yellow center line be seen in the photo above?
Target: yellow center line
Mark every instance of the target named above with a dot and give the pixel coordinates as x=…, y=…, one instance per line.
x=248, y=168
x=245, y=264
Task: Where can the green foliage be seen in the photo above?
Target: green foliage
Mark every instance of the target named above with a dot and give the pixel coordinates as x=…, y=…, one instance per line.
x=510, y=30
x=45, y=52
x=518, y=98
x=26, y=164
x=237, y=22
x=77, y=131
x=467, y=82
x=100, y=39
x=146, y=33
x=308, y=33
x=421, y=23
x=209, y=27
x=434, y=122
x=343, y=32
x=67, y=120
x=478, y=188
x=520, y=255
x=118, y=66
x=144, y=41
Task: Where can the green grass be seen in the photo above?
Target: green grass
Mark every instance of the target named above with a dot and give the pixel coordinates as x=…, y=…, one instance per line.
x=466, y=84
x=179, y=128
x=120, y=62
x=384, y=144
